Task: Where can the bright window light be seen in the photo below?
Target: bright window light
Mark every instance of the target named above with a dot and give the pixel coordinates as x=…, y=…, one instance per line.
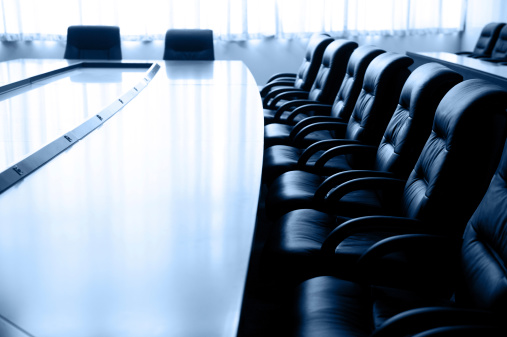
x=229, y=19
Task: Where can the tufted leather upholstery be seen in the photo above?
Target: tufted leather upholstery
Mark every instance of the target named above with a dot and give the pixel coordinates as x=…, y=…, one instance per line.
x=328, y=79
x=411, y=122
x=484, y=249
x=189, y=44
x=328, y=306
x=279, y=134
x=499, y=52
x=93, y=43
x=445, y=186
x=486, y=41
x=308, y=69
x=376, y=102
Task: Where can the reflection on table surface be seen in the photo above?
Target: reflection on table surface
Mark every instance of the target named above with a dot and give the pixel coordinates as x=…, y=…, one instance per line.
x=490, y=68
x=145, y=227
x=36, y=114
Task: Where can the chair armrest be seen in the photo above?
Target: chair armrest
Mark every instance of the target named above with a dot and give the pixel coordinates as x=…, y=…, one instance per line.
x=339, y=127
x=387, y=184
x=279, y=75
x=319, y=146
x=287, y=106
x=407, y=242
x=368, y=224
x=314, y=109
x=279, y=83
x=463, y=53
x=421, y=319
x=492, y=60
x=364, y=150
x=310, y=120
x=464, y=331
x=337, y=179
x=273, y=93
x=289, y=95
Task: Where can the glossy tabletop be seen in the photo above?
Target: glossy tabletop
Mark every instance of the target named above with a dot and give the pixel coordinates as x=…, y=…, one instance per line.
x=467, y=66
x=145, y=226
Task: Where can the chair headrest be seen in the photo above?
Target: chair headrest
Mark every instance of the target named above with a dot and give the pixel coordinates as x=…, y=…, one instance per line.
x=384, y=65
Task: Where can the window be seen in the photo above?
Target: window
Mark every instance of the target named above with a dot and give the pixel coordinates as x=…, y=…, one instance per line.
x=230, y=19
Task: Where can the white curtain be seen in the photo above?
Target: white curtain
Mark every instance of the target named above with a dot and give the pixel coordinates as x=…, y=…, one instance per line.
x=230, y=19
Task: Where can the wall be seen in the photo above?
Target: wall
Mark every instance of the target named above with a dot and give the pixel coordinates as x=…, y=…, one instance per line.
x=480, y=13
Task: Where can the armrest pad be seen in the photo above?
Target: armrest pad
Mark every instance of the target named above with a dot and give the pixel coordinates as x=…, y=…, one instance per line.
x=340, y=178
x=290, y=95
x=338, y=127
x=310, y=120
x=315, y=109
x=279, y=83
x=319, y=146
x=291, y=104
x=409, y=243
x=421, y=319
x=367, y=224
x=364, y=150
x=388, y=184
x=273, y=93
x=489, y=59
x=465, y=330
x=278, y=75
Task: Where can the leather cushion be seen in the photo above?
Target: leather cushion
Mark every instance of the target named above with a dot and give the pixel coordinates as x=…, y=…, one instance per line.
x=328, y=306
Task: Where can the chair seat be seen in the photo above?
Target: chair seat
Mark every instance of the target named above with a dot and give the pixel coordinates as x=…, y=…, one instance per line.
x=295, y=190
x=293, y=252
x=279, y=159
x=328, y=306
x=292, y=190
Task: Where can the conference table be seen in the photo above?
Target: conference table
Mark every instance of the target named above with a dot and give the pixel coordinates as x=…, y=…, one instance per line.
x=128, y=196
x=466, y=66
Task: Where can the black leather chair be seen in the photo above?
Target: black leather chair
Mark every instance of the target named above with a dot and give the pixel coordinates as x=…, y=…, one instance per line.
x=324, y=88
x=93, y=43
x=189, y=45
x=329, y=306
x=441, y=193
x=401, y=144
x=499, y=52
x=486, y=41
x=282, y=134
x=303, y=79
x=377, y=100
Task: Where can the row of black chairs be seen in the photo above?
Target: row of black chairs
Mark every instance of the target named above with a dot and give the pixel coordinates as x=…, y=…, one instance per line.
x=373, y=177
x=103, y=43
x=491, y=45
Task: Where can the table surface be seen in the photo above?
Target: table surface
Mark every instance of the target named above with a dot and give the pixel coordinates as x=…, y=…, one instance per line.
x=144, y=227
x=490, y=68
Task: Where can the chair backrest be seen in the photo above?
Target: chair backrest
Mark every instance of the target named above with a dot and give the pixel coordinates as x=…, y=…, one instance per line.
x=411, y=122
x=488, y=38
x=460, y=156
x=353, y=81
x=189, y=45
x=93, y=43
x=308, y=70
x=484, y=248
x=378, y=98
x=500, y=49
x=331, y=71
